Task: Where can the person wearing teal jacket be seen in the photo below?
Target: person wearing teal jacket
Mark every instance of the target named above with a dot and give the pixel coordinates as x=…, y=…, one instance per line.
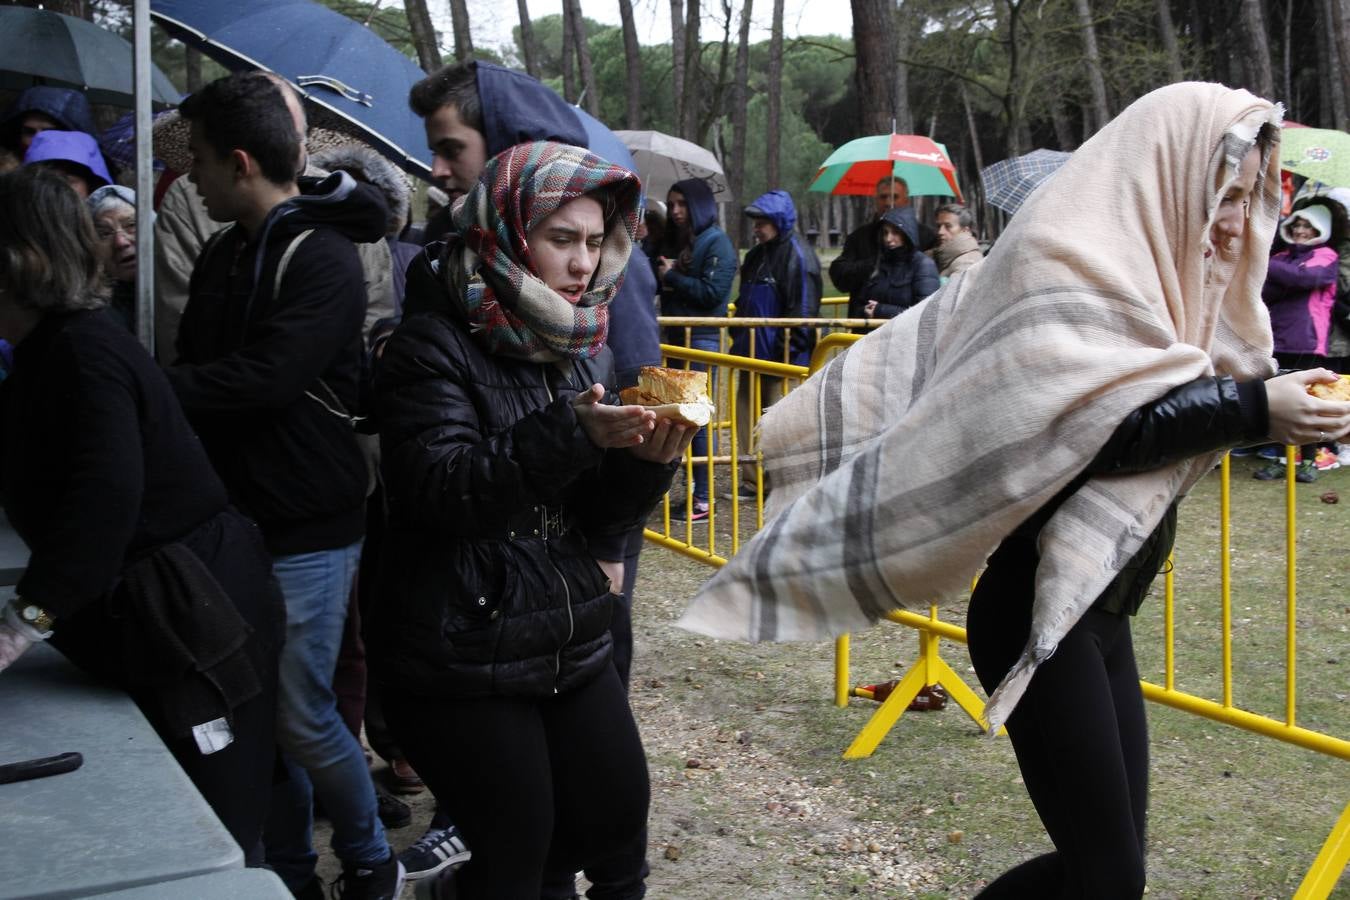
x=696, y=282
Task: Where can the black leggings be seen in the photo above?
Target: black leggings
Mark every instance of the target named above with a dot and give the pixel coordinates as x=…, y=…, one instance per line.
x=535, y=785
x=1080, y=736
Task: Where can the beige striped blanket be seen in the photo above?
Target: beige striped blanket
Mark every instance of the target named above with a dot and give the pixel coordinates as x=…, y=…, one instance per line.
x=899, y=467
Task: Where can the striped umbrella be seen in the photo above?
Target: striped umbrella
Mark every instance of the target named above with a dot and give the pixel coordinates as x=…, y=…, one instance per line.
x=856, y=167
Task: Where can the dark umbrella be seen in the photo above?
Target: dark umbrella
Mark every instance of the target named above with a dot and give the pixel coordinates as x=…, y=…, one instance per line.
x=1009, y=182
x=335, y=62
x=42, y=47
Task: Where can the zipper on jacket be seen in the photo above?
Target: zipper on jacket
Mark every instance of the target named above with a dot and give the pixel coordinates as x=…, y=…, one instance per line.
x=567, y=591
x=571, y=623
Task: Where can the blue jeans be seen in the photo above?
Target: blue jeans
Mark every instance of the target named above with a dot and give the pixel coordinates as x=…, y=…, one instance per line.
x=698, y=448
x=320, y=754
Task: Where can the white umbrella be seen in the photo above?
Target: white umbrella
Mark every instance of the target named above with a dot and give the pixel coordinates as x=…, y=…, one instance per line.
x=663, y=159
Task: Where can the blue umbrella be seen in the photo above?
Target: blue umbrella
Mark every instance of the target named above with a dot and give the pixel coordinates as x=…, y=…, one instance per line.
x=336, y=62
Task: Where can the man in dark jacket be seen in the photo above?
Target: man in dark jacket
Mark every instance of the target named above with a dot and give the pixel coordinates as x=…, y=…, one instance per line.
x=856, y=262
x=473, y=111
x=269, y=354
x=697, y=282
x=780, y=278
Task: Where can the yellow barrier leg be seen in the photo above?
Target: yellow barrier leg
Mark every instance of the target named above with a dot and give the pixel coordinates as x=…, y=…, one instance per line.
x=1330, y=863
x=930, y=668
x=887, y=714
x=841, y=670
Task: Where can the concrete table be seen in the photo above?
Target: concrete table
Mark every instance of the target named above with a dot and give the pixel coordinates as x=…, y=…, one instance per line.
x=127, y=817
x=236, y=884
x=13, y=553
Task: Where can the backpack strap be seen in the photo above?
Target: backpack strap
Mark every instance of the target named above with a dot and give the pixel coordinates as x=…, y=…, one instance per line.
x=329, y=401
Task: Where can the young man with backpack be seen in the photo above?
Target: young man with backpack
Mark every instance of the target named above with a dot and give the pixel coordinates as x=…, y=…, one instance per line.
x=269, y=358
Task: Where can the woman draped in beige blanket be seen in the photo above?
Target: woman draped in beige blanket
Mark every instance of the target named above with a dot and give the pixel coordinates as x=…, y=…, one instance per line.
x=1104, y=356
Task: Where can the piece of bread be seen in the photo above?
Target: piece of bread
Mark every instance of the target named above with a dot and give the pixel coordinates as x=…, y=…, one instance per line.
x=1338, y=390
x=673, y=385
x=678, y=394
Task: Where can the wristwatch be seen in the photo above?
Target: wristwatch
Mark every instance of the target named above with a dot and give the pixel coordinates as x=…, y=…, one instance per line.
x=33, y=615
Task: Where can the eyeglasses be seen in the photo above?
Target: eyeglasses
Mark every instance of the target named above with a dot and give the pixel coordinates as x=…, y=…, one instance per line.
x=107, y=232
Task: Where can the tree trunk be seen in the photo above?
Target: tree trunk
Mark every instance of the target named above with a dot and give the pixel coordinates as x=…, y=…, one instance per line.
x=591, y=97
x=693, y=72
x=423, y=35
x=632, y=57
x=1060, y=119
x=981, y=214
x=874, y=71
x=1258, y=49
x=774, y=90
x=1340, y=20
x=528, y=48
x=568, y=55
x=740, y=100
x=1285, y=67
x=1168, y=32
x=192, y=69
x=677, y=61
x=908, y=25
x=1092, y=58
x=1329, y=64
x=459, y=22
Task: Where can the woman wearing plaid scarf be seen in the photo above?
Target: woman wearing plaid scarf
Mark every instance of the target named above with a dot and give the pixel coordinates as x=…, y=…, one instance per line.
x=503, y=455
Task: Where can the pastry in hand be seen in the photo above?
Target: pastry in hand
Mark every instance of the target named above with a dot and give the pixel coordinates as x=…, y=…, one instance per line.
x=678, y=394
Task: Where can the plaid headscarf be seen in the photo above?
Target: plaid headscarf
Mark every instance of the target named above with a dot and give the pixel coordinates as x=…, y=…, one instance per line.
x=510, y=310
x=1081, y=313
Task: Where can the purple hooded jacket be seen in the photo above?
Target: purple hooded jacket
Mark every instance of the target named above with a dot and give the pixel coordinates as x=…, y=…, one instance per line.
x=1299, y=291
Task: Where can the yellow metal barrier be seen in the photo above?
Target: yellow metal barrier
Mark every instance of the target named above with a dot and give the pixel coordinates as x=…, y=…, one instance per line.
x=931, y=669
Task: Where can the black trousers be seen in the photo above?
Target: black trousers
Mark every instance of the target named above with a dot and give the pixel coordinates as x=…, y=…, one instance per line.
x=1080, y=736
x=536, y=786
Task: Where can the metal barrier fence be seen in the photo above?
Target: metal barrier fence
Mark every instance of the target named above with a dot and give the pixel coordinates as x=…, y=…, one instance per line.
x=727, y=451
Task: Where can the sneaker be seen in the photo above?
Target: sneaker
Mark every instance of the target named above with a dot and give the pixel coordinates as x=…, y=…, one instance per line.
x=1269, y=451
x=403, y=779
x=1326, y=460
x=1273, y=471
x=393, y=812
x=379, y=882
x=1305, y=472
x=439, y=848
x=1242, y=451
x=700, y=511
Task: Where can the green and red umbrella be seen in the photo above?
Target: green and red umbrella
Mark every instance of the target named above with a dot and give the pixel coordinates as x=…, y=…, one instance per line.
x=856, y=167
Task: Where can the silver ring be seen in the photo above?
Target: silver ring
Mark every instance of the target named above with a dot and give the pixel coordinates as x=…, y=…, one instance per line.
x=1322, y=437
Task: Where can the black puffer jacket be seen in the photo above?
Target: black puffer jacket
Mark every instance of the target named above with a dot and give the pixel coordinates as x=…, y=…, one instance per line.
x=488, y=587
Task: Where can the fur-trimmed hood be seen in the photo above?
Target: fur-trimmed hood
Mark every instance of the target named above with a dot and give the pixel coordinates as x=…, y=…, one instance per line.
x=364, y=164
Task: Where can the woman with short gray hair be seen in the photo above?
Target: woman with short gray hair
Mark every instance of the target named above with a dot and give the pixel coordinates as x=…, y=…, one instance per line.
x=113, y=208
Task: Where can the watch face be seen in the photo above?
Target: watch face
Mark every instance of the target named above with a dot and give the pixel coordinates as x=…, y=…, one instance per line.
x=30, y=613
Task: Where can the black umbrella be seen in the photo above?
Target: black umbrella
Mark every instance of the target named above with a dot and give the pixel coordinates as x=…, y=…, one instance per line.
x=42, y=47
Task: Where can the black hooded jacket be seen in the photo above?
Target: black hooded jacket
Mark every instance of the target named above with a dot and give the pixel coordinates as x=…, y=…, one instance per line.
x=265, y=374
x=903, y=275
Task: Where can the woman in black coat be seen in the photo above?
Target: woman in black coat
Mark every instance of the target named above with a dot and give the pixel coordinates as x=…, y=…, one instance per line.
x=903, y=276
x=139, y=571
x=502, y=461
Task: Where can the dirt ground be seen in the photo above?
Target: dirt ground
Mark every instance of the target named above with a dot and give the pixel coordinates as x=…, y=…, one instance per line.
x=751, y=798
